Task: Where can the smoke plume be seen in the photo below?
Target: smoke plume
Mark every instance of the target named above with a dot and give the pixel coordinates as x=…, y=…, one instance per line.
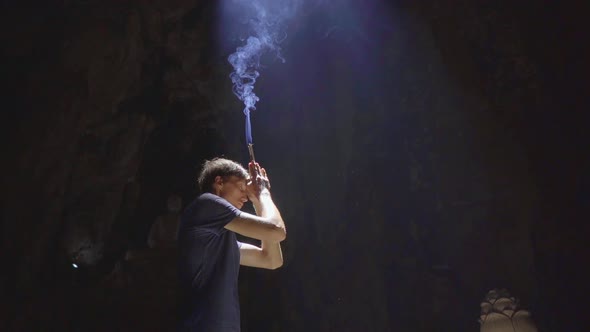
x=265, y=21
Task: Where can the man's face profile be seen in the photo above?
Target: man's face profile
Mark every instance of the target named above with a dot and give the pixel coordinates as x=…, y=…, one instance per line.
x=232, y=189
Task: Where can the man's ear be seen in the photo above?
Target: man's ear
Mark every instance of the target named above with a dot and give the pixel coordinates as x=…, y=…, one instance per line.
x=217, y=184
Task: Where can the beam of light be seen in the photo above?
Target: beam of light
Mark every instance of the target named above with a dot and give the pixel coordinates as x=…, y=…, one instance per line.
x=74, y=265
x=266, y=22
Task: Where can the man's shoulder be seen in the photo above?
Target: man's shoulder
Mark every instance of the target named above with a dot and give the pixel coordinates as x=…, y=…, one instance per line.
x=208, y=205
x=200, y=200
x=209, y=200
x=204, y=197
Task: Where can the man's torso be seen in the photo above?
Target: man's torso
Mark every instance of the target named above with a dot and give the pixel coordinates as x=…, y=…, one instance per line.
x=209, y=260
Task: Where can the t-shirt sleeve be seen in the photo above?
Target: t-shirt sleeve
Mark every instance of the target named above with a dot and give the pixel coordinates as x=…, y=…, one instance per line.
x=213, y=213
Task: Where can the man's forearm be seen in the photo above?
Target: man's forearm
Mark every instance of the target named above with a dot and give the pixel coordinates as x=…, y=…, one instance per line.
x=273, y=252
x=266, y=208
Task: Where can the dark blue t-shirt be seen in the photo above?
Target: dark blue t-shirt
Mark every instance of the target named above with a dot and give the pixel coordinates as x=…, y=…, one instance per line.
x=209, y=262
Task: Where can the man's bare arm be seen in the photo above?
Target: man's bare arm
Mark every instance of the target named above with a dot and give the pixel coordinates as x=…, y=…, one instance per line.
x=268, y=226
x=257, y=227
x=254, y=256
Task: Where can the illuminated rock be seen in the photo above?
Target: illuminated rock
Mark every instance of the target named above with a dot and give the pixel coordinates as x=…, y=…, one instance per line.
x=500, y=312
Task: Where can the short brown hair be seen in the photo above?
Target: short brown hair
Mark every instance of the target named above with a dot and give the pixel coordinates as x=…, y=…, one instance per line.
x=219, y=167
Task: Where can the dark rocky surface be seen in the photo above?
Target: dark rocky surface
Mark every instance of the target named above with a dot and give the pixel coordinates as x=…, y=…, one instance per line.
x=440, y=157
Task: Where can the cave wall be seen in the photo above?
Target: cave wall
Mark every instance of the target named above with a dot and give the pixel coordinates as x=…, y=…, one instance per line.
x=419, y=179
x=90, y=86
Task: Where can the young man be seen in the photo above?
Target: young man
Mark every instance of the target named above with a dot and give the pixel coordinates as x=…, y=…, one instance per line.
x=209, y=253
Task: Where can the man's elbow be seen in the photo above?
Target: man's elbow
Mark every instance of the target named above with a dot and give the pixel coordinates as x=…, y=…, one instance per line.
x=275, y=265
x=277, y=234
x=271, y=262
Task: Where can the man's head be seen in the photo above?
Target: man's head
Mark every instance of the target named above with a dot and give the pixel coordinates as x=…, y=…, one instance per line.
x=225, y=178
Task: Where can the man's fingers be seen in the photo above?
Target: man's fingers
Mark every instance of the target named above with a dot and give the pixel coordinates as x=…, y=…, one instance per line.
x=252, y=169
x=265, y=178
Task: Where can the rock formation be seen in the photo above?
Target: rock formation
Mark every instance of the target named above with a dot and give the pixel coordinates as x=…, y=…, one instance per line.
x=412, y=164
x=501, y=312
